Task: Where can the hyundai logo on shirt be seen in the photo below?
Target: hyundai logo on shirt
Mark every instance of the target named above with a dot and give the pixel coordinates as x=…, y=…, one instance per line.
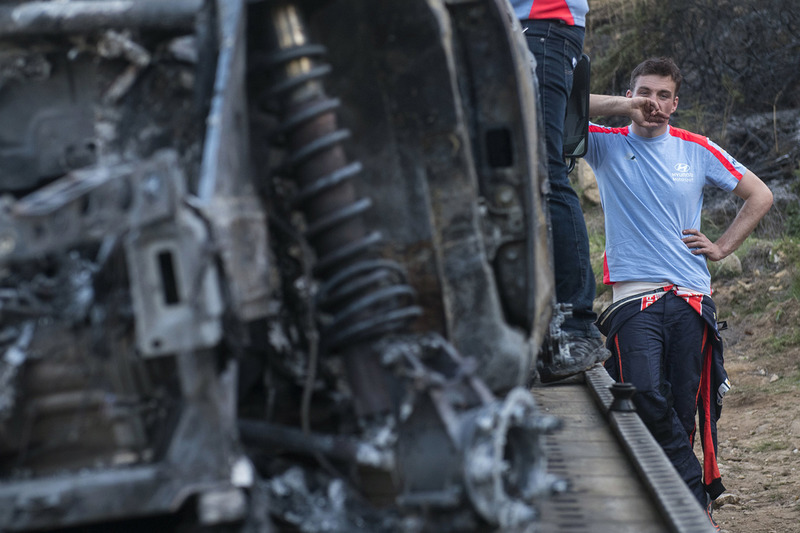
x=683, y=172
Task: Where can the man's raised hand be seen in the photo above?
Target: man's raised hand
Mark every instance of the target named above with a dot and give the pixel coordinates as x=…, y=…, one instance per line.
x=646, y=113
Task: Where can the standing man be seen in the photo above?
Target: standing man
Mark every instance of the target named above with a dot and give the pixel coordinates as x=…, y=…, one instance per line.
x=554, y=30
x=661, y=327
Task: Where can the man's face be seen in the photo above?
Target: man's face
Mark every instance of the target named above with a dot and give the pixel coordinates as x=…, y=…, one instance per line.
x=658, y=88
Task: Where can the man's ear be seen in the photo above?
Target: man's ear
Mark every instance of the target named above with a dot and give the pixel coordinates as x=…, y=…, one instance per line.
x=674, y=105
x=628, y=93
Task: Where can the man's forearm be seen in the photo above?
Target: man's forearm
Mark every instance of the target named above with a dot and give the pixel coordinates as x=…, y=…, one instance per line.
x=644, y=112
x=757, y=201
x=752, y=211
x=602, y=105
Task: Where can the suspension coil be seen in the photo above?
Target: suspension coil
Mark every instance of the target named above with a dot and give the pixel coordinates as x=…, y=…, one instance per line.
x=365, y=295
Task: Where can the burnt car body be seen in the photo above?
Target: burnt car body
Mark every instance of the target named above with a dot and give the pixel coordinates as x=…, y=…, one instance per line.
x=270, y=265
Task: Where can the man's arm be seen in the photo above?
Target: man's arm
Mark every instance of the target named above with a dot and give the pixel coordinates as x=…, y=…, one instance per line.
x=757, y=201
x=643, y=111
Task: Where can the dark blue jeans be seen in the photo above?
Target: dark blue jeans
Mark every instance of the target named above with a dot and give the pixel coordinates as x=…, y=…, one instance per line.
x=557, y=48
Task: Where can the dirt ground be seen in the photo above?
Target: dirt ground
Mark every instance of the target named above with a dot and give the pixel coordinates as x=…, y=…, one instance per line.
x=759, y=432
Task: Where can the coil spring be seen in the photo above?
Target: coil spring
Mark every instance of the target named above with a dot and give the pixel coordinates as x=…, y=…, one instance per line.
x=365, y=295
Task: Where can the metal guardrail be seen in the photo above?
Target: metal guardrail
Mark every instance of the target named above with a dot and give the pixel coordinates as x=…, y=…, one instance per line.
x=672, y=496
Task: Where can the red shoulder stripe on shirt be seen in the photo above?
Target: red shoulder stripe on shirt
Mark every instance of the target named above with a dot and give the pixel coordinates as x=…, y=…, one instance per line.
x=551, y=9
x=594, y=128
x=703, y=141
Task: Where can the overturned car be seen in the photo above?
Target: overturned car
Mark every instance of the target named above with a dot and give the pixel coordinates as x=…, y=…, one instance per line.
x=270, y=266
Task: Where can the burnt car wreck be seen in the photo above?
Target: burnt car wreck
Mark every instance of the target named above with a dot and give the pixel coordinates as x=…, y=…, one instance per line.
x=270, y=266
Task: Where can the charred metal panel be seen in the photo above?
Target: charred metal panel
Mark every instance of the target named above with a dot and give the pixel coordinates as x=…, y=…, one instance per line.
x=428, y=121
x=92, y=204
x=226, y=193
x=174, y=286
x=495, y=79
x=47, y=128
x=109, y=259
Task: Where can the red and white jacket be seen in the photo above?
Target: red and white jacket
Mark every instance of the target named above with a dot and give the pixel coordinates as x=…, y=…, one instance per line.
x=571, y=12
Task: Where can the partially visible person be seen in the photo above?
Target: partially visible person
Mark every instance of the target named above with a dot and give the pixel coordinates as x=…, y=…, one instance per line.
x=662, y=325
x=554, y=30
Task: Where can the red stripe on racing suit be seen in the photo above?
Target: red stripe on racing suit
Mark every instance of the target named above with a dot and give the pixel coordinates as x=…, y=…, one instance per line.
x=713, y=381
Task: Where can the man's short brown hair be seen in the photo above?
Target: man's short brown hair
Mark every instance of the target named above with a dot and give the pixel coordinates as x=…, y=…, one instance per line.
x=658, y=66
